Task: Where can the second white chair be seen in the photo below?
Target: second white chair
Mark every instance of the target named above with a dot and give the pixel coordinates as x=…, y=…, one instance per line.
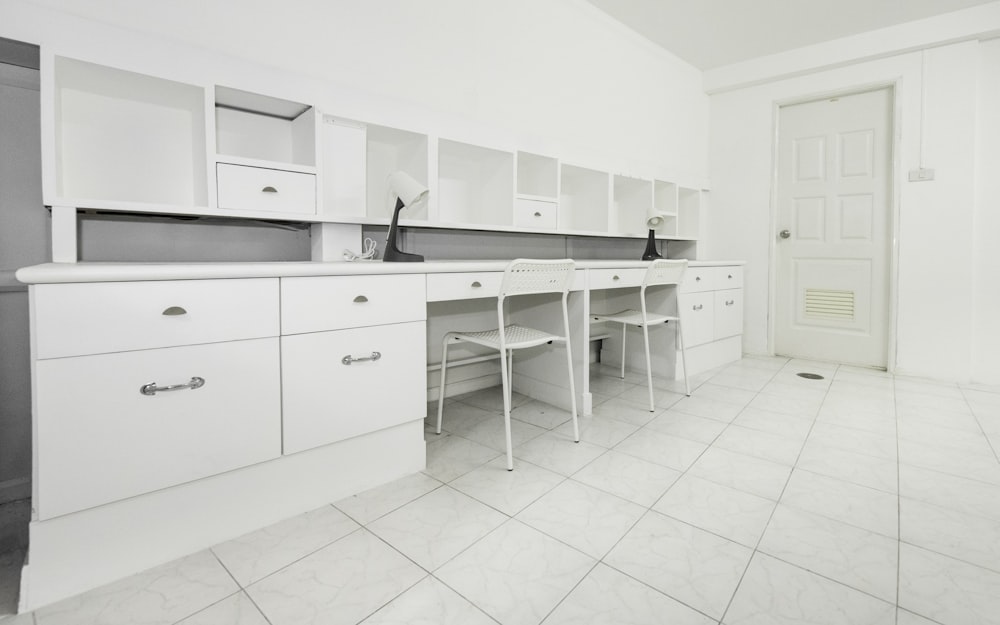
x=660, y=272
x=521, y=277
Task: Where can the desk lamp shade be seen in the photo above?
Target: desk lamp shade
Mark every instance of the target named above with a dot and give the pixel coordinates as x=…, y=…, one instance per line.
x=408, y=192
x=653, y=221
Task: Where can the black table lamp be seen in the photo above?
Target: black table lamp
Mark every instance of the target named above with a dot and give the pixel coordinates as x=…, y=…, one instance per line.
x=408, y=192
x=653, y=221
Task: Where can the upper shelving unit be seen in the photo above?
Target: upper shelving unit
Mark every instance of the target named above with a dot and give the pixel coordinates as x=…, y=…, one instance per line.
x=126, y=141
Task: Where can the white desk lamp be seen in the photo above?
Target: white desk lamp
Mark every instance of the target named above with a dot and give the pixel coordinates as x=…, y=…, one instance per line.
x=654, y=219
x=408, y=192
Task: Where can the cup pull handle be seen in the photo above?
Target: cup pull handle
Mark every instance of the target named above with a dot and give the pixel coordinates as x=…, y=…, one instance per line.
x=174, y=311
x=348, y=359
x=698, y=307
x=153, y=389
x=476, y=284
x=537, y=214
x=268, y=189
x=361, y=299
x=615, y=278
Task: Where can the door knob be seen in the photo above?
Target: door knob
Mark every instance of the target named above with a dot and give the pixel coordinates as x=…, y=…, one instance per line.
x=784, y=234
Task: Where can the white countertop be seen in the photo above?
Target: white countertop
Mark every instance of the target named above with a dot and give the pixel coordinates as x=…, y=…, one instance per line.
x=49, y=273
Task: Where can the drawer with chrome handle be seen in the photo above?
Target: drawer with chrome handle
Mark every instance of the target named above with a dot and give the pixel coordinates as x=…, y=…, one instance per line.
x=152, y=388
x=261, y=189
x=443, y=287
x=615, y=278
x=319, y=303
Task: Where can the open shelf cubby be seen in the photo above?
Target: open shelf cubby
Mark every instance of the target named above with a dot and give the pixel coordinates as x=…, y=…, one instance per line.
x=264, y=128
x=475, y=184
x=633, y=198
x=688, y=212
x=128, y=137
x=537, y=176
x=583, y=199
x=391, y=150
x=665, y=203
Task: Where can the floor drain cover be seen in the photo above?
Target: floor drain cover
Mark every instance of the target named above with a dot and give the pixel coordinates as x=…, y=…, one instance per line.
x=810, y=376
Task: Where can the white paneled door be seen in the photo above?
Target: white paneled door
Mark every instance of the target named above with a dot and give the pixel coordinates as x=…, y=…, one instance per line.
x=832, y=250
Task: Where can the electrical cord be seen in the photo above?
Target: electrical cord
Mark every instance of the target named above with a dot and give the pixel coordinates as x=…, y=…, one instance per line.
x=368, y=252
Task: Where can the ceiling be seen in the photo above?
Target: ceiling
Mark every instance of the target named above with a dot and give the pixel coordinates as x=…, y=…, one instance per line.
x=713, y=33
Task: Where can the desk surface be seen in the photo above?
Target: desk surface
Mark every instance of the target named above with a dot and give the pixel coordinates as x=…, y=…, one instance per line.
x=51, y=273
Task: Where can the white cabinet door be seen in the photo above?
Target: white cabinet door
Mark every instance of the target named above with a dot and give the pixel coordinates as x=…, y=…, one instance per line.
x=728, y=313
x=99, y=439
x=697, y=317
x=325, y=400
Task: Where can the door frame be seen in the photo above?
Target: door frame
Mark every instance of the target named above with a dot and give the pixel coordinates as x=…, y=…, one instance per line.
x=893, y=209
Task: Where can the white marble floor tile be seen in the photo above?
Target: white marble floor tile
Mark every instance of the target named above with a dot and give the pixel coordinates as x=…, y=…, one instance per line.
x=947, y=590
x=781, y=424
x=608, y=597
x=981, y=465
x=683, y=425
x=540, y=414
x=774, y=363
x=932, y=402
x=852, y=556
x=236, y=609
x=730, y=513
x=870, y=471
x=161, y=595
x=949, y=491
x=905, y=617
x=437, y=527
x=670, y=451
x=662, y=399
x=459, y=416
x=964, y=536
x=429, y=602
x=745, y=380
x=558, y=452
x=867, y=508
x=795, y=390
x=628, y=411
x=507, y=491
x=491, y=399
x=883, y=405
x=959, y=420
x=924, y=386
x=599, y=430
x=340, y=584
x=453, y=456
x=605, y=381
x=516, y=574
x=708, y=407
x=691, y=565
x=369, y=505
x=851, y=439
x=931, y=434
x=790, y=377
x=724, y=393
x=583, y=517
x=781, y=449
x=256, y=555
x=776, y=593
x=880, y=424
x=801, y=407
x=631, y=478
x=753, y=475
x=492, y=432
x=854, y=389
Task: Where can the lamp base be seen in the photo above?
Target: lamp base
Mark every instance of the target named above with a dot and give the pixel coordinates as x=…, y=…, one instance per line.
x=651, y=253
x=392, y=253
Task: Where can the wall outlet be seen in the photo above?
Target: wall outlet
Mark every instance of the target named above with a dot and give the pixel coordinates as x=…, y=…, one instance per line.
x=921, y=175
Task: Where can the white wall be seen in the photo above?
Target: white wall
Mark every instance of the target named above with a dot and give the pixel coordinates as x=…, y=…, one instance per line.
x=943, y=263
x=560, y=75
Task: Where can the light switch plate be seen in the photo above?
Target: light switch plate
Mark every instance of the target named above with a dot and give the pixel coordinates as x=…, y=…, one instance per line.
x=921, y=175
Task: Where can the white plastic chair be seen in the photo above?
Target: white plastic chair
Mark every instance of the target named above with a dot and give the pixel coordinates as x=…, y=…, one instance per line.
x=660, y=272
x=521, y=277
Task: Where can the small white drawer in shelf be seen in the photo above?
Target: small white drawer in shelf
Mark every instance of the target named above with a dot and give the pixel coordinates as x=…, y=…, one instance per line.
x=315, y=304
x=535, y=214
x=615, y=278
x=698, y=279
x=262, y=189
x=80, y=318
x=443, y=287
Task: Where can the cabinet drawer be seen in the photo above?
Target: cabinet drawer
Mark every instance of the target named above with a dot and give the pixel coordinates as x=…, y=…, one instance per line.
x=325, y=400
x=728, y=277
x=100, y=439
x=315, y=304
x=615, y=278
x=262, y=189
x=698, y=279
x=79, y=319
x=442, y=287
x=697, y=318
x=728, y=313
x=535, y=214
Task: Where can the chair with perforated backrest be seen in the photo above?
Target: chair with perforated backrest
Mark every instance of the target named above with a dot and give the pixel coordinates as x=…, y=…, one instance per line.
x=521, y=277
x=660, y=272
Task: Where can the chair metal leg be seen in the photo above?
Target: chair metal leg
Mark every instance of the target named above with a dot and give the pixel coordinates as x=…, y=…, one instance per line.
x=510, y=369
x=649, y=366
x=624, y=329
x=569, y=368
x=505, y=379
x=444, y=372
x=680, y=344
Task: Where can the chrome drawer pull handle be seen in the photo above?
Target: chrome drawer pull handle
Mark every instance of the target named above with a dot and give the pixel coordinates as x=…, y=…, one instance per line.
x=730, y=302
x=174, y=311
x=615, y=278
x=730, y=276
x=698, y=307
x=538, y=214
x=476, y=284
x=697, y=278
x=348, y=359
x=361, y=299
x=153, y=389
x=268, y=189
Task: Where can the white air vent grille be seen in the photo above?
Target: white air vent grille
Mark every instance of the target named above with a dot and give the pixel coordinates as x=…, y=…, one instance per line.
x=830, y=304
